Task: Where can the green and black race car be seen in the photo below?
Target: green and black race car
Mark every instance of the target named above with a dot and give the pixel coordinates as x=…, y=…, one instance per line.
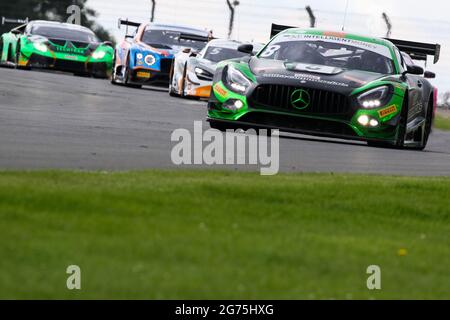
x=58, y=46
x=329, y=84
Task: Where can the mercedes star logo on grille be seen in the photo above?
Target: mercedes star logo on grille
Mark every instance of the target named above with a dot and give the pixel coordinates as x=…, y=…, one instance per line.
x=300, y=99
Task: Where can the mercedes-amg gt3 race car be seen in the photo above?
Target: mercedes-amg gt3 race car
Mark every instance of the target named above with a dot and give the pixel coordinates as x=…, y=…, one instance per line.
x=193, y=72
x=329, y=84
x=146, y=57
x=57, y=46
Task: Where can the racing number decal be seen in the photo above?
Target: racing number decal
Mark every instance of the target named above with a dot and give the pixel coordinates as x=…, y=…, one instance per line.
x=270, y=51
x=215, y=51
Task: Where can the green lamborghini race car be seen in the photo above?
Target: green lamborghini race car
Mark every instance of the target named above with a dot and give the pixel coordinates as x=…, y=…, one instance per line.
x=57, y=46
x=329, y=84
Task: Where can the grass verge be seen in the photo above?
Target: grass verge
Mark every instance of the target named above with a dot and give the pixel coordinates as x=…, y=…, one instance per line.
x=442, y=121
x=195, y=235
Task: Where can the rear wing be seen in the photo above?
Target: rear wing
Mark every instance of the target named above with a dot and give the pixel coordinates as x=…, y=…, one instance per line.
x=417, y=50
x=278, y=28
x=194, y=37
x=14, y=21
x=128, y=23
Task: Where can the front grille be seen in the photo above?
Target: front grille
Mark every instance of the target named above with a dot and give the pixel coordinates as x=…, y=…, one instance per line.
x=279, y=97
x=166, y=65
x=80, y=45
x=63, y=46
x=58, y=42
x=301, y=124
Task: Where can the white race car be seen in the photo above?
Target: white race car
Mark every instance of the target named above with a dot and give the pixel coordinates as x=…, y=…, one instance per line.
x=193, y=72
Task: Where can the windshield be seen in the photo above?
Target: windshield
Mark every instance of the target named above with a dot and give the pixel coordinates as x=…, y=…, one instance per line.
x=64, y=33
x=217, y=54
x=162, y=39
x=330, y=51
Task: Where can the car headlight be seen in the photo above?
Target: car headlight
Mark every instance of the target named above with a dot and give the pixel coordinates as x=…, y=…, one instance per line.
x=42, y=47
x=236, y=81
x=150, y=59
x=98, y=55
x=203, y=74
x=375, y=98
x=200, y=71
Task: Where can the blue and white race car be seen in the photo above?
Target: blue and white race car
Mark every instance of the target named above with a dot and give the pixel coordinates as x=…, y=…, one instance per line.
x=146, y=57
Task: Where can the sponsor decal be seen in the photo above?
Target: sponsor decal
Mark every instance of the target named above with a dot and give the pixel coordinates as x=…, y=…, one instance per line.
x=70, y=57
x=64, y=49
x=143, y=74
x=220, y=91
x=150, y=60
x=374, y=47
x=335, y=34
x=387, y=111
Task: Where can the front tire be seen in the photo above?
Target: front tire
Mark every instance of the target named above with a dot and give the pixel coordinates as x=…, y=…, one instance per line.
x=401, y=134
x=127, y=76
x=10, y=55
x=1, y=49
x=172, y=93
x=183, y=83
x=114, y=72
x=17, y=59
x=427, y=129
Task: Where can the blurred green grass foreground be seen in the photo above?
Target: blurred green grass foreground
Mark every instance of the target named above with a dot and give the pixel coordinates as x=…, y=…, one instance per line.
x=222, y=235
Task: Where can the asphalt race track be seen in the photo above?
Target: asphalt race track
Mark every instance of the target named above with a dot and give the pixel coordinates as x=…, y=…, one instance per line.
x=52, y=120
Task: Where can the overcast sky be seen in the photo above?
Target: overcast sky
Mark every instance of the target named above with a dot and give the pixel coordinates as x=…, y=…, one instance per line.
x=418, y=20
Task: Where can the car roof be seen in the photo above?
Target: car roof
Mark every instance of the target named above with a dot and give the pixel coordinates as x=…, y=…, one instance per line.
x=179, y=28
x=224, y=43
x=60, y=24
x=340, y=34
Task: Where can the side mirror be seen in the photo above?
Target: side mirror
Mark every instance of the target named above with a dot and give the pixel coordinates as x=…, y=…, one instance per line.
x=429, y=75
x=246, y=48
x=415, y=70
x=108, y=43
x=16, y=31
x=187, y=50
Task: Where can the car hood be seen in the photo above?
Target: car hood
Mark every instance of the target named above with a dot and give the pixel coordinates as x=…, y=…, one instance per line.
x=310, y=75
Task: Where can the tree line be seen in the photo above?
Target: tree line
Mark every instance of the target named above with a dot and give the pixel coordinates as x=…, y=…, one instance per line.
x=51, y=10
